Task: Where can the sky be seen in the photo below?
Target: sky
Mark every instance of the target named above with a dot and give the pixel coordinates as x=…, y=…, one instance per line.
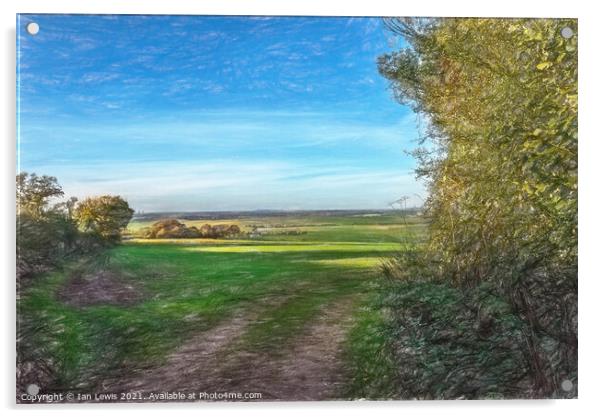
x=194, y=113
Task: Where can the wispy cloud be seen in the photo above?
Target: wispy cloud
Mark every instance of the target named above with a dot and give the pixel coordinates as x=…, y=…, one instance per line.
x=240, y=185
x=191, y=113
x=234, y=131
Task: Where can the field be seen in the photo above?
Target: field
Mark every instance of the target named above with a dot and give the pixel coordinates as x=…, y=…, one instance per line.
x=282, y=310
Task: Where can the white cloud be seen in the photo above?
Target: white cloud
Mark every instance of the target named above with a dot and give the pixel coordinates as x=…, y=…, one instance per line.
x=237, y=185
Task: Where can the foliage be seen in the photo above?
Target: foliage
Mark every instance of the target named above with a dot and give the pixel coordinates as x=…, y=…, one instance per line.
x=500, y=158
x=42, y=243
x=172, y=228
x=374, y=371
x=221, y=230
x=47, y=232
x=34, y=193
x=189, y=288
x=105, y=215
x=456, y=343
x=48, y=238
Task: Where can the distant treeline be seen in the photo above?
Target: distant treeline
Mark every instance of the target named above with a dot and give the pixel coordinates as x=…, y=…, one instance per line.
x=172, y=228
x=217, y=215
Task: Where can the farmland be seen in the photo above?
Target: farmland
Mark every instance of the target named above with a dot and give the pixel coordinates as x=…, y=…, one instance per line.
x=283, y=310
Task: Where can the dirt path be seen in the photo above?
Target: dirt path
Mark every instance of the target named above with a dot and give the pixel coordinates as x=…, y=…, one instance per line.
x=196, y=358
x=309, y=368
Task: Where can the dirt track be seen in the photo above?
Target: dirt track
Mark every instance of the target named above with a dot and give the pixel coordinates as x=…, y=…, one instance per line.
x=309, y=368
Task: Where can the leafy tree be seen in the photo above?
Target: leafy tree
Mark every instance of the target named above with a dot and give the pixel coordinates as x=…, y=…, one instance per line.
x=45, y=233
x=67, y=207
x=34, y=192
x=500, y=158
x=105, y=215
x=170, y=228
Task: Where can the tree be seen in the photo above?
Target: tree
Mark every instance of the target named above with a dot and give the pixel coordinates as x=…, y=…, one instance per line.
x=48, y=233
x=105, y=215
x=170, y=228
x=67, y=207
x=206, y=231
x=500, y=99
x=34, y=193
x=45, y=233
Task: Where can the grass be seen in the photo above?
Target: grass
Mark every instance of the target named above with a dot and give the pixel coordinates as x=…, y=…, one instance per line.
x=452, y=342
x=373, y=371
x=190, y=285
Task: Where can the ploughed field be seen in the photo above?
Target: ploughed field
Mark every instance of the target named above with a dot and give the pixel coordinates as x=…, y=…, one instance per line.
x=282, y=310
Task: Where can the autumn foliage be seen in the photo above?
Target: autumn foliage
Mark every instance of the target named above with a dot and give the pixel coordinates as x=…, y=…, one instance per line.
x=499, y=99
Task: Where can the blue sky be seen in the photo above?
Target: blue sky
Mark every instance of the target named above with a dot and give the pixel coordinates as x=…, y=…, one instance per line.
x=185, y=113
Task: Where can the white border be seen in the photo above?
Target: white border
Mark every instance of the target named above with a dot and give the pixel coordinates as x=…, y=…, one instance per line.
x=589, y=205
x=507, y=8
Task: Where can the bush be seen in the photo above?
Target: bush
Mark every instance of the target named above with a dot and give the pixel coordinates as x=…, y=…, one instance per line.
x=106, y=216
x=172, y=228
x=500, y=96
x=452, y=344
x=219, y=231
x=43, y=242
x=48, y=234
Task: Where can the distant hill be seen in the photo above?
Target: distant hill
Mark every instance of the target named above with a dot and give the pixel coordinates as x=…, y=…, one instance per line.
x=216, y=215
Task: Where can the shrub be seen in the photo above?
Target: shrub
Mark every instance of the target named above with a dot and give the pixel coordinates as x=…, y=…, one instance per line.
x=42, y=243
x=500, y=98
x=105, y=216
x=48, y=234
x=450, y=343
x=172, y=228
x=219, y=231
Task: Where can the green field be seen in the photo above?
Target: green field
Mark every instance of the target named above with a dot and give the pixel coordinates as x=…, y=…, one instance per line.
x=278, y=283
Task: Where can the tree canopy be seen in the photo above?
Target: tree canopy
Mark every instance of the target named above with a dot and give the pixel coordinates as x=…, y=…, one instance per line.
x=34, y=193
x=48, y=230
x=500, y=158
x=500, y=96
x=104, y=215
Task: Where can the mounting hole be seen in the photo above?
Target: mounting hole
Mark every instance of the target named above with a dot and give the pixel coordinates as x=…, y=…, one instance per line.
x=33, y=28
x=33, y=389
x=567, y=385
x=567, y=33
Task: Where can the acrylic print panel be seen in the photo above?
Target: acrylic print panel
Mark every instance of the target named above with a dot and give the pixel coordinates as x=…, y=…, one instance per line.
x=224, y=208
